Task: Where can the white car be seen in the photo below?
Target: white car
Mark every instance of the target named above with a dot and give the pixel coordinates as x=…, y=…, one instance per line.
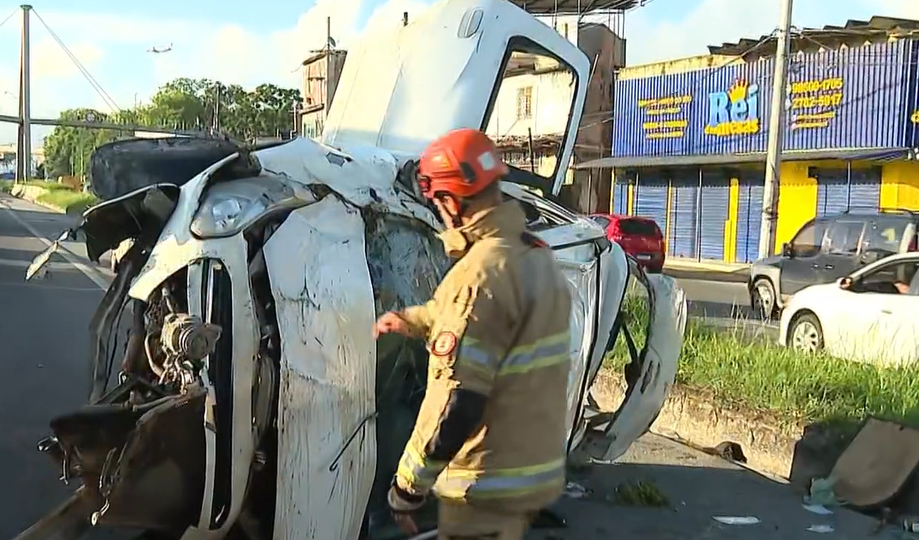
x=251, y=399
x=868, y=316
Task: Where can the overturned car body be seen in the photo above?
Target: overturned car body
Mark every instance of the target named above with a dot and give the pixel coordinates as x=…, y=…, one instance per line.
x=249, y=396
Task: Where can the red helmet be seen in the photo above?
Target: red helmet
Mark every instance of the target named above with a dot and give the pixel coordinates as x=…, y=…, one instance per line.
x=461, y=163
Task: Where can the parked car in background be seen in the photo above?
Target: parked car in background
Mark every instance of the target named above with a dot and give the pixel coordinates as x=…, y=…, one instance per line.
x=868, y=315
x=639, y=237
x=826, y=249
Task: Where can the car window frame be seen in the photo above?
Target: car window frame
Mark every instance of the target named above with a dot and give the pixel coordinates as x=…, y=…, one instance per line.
x=858, y=278
x=814, y=222
x=836, y=225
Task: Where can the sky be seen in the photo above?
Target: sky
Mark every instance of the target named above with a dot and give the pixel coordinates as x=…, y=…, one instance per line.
x=247, y=43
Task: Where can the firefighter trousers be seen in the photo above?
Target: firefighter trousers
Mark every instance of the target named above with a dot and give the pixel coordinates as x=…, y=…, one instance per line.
x=466, y=522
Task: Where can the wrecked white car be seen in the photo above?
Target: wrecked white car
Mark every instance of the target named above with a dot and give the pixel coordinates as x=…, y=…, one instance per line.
x=249, y=396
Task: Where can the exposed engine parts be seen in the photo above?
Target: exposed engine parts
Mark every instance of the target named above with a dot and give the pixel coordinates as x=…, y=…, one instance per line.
x=187, y=337
x=175, y=342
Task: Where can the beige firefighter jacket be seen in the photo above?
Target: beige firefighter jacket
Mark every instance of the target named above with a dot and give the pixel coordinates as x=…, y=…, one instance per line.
x=498, y=325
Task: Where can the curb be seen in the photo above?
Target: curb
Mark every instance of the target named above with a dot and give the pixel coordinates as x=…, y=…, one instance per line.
x=691, y=416
x=31, y=194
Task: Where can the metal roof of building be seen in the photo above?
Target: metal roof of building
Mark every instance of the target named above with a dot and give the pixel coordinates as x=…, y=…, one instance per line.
x=547, y=7
x=829, y=35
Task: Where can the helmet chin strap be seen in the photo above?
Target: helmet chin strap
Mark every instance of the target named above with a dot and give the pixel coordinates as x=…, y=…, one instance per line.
x=457, y=219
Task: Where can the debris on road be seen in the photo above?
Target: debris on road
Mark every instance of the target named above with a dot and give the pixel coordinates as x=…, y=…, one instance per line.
x=640, y=493
x=877, y=464
x=737, y=520
x=822, y=493
x=820, y=528
x=575, y=490
x=818, y=509
x=728, y=450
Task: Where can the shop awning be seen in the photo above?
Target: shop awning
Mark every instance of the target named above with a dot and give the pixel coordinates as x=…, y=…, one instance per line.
x=862, y=154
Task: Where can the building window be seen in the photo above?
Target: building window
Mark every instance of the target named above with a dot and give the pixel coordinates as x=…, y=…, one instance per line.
x=525, y=103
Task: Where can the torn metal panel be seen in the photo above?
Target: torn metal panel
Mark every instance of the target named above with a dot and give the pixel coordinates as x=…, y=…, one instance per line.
x=363, y=176
x=644, y=399
x=319, y=278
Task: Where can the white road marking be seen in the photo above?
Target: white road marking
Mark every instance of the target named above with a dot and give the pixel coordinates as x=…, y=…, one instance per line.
x=95, y=276
x=34, y=285
x=58, y=266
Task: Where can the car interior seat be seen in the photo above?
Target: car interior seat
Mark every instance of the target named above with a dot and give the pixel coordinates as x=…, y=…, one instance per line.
x=914, y=284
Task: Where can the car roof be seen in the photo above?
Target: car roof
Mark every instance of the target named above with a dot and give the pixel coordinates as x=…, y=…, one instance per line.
x=908, y=215
x=910, y=256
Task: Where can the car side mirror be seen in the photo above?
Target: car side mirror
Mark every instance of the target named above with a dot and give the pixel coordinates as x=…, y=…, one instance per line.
x=787, y=251
x=845, y=283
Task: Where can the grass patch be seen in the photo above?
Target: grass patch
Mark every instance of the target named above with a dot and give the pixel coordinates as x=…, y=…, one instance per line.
x=6, y=186
x=50, y=186
x=68, y=200
x=795, y=386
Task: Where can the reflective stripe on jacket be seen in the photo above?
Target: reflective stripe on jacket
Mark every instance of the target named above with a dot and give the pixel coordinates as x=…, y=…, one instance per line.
x=498, y=325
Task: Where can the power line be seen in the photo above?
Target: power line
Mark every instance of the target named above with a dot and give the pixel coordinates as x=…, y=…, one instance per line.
x=8, y=17
x=86, y=74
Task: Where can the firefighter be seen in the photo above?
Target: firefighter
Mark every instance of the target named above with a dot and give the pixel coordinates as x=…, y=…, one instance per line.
x=489, y=439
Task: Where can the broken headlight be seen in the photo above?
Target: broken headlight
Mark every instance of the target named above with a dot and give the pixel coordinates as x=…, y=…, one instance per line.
x=231, y=207
x=226, y=215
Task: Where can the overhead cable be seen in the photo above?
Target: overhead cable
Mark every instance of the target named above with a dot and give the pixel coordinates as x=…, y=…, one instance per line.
x=86, y=74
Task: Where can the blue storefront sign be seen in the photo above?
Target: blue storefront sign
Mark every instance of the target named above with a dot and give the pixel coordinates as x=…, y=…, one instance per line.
x=849, y=99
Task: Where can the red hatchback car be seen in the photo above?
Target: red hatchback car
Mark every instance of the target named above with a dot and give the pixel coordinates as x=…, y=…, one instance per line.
x=639, y=237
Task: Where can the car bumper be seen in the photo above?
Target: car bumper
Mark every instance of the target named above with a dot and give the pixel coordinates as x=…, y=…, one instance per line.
x=653, y=265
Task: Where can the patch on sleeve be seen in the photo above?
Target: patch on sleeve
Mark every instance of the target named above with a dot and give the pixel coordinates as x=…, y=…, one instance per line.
x=444, y=344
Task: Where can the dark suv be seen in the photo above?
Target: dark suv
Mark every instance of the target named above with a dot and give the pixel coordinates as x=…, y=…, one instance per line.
x=826, y=249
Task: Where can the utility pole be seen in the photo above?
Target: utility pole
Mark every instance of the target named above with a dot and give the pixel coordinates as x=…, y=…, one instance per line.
x=216, y=108
x=24, y=146
x=328, y=65
x=776, y=135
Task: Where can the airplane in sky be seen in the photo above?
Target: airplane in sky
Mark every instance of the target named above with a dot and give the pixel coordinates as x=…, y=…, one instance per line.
x=156, y=50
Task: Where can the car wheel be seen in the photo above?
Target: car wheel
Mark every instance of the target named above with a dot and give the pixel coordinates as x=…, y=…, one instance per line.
x=805, y=333
x=763, y=298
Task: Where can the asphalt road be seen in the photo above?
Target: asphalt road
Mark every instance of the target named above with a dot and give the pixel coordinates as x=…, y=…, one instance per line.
x=44, y=369
x=697, y=487
x=44, y=373
x=722, y=300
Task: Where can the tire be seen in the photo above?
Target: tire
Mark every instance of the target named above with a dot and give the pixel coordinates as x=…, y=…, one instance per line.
x=805, y=333
x=762, y=299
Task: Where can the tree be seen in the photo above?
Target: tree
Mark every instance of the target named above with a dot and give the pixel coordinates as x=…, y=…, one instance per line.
x=68, y=149
x=265, y=111
x=184, y=104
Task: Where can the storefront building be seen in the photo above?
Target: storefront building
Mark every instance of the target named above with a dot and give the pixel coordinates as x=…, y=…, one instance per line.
x=689, y=147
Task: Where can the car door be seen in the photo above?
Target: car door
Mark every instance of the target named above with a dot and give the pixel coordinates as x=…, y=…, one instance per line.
x=839, y=253
x=898, y=326
x=853, y=329
x=879, y=321
x=898, y=329
x=598, y=272
x=799, y=270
